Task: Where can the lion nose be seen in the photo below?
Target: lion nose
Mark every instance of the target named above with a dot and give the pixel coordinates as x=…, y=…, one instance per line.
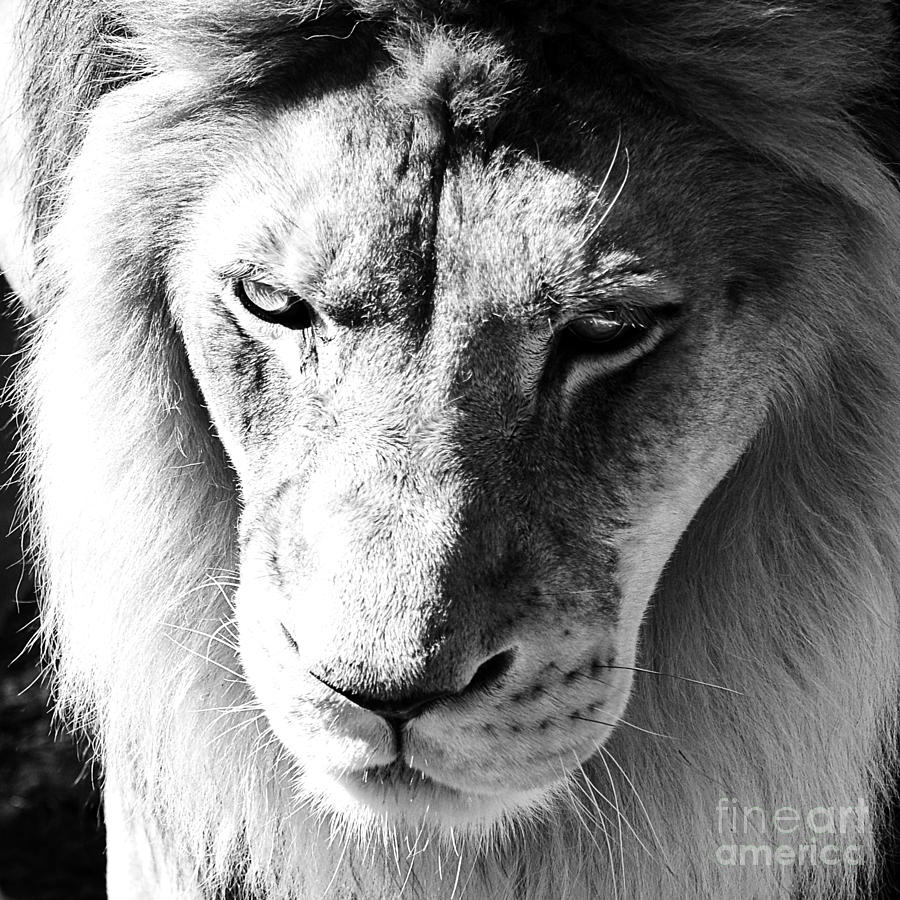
x=401, y=708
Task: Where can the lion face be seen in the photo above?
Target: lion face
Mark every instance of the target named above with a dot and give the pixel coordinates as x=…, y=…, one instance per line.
x=474, y=386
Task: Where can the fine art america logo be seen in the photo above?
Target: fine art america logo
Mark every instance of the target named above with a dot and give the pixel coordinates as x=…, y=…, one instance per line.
x=787, y=836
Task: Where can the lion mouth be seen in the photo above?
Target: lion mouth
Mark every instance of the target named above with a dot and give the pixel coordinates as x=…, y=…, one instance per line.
x=399, y=793
x=398, y=775
x=400, y=783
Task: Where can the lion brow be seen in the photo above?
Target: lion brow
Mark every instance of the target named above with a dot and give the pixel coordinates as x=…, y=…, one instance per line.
x=584, y=288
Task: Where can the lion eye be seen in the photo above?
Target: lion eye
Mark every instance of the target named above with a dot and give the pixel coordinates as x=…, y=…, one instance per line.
x=608, y=331
x=273, y=304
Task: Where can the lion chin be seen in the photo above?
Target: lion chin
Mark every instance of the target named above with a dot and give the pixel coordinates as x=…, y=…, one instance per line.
x=385, y=798
x=390, y=793
x=461, y=438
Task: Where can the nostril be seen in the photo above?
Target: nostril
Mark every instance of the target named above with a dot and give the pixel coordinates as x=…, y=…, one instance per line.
x=400, y=709
x=490, y=672
x=396, y=710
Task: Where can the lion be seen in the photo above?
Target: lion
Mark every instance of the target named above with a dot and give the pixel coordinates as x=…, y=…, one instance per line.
x=461, y=439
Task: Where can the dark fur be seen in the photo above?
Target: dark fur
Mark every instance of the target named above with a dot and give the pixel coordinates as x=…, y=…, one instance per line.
x=704, y=58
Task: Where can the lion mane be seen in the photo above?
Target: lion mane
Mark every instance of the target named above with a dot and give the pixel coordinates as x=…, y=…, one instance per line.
x=775, y=623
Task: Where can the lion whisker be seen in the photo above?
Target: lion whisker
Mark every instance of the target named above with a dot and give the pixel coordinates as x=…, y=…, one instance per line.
x=204, y=585
x=598, y=195
x=440, y=863
x=222, y=584
x=411, y=853
x=718, y=687
x=230, y=627
x=593, y=787
x=621, y=721
x=459, y=862
x=615, y=200
x=240, y=708
x=578, y=807
x=208, y=659
x=339, y=864
x=236, y=727
x=259, y=714
x=620, y=815
x=210, y=638
x=271, y=740
x=611, y=757
x=571, y=784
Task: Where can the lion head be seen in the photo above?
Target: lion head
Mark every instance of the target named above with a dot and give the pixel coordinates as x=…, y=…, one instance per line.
x=468, y=425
